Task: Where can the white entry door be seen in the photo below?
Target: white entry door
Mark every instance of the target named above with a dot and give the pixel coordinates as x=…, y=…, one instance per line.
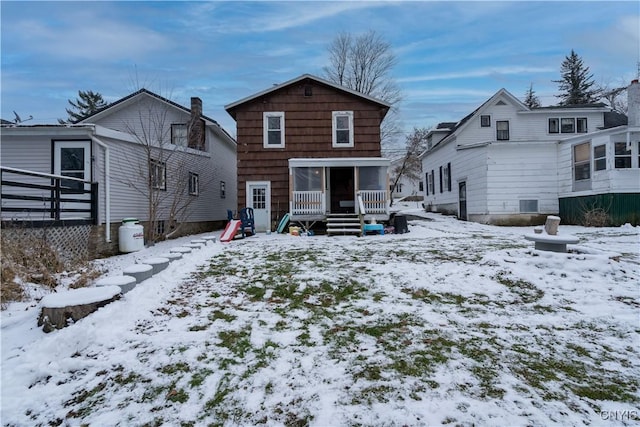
x=73, y=159
x=259, y=198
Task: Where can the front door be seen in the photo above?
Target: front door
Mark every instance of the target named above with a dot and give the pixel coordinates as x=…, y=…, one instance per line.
x=73, y=159
x=341, y=190
x=259, y=198
x=462, y=196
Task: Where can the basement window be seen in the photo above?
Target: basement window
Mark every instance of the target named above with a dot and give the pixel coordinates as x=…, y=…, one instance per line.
x=528, y=206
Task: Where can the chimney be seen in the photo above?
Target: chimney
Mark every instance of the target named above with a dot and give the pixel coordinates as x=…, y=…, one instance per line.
x=196, y=125
x=633, y=105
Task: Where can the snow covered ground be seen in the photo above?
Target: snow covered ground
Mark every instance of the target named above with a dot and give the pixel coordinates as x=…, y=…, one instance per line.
x=453, y=323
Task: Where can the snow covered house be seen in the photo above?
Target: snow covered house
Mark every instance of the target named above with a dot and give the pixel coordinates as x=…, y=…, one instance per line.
x=97, y=172
x=506, y=163
x=309, y=147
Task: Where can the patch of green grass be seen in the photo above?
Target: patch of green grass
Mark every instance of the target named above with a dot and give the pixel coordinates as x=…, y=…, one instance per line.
x=238, y=342
x=174, y=368
x=221, y=315
x=198, y=377
x=197, y=328
x=526, y=291
x=177, y=395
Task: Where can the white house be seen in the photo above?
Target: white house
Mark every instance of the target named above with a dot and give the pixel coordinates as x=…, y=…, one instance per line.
x=504, y=163
x=141, y=140
x=405, y=186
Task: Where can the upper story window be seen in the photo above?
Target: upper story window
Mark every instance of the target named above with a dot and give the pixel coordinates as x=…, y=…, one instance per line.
x=342, y=127
x=622, y=156
x=502, y=130
x=568, y=125
x=273, y=123
x=581, y=125
x=179, y=134
x=485, y=121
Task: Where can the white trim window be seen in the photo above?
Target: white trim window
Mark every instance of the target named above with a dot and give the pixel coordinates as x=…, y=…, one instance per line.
x=342, y=129
x=273, y=129
x=179, y=134
x=158, y=174
x=582, y=162
x=194, y=184
x=622, y=155
x=600, y=157
x=485, y=121
x=502, y=130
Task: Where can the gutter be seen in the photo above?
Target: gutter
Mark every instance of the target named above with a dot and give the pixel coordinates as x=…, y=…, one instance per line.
x=107, y=188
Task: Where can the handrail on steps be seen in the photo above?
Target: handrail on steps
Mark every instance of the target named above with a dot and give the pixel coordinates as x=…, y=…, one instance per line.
x=361, y=213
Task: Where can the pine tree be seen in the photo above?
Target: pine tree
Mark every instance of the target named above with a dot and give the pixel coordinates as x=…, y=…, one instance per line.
x=531, y=100
x=577, y=83
x=88, y=103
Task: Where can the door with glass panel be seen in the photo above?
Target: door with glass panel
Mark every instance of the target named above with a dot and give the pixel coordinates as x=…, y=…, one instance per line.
x=73, y=159
x=259, y=198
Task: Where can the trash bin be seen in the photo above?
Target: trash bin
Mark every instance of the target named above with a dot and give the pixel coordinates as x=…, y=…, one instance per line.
x=130, y=235
x=400, y=224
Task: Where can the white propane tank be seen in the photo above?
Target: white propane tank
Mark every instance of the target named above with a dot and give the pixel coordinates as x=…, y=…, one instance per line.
x=131, y=235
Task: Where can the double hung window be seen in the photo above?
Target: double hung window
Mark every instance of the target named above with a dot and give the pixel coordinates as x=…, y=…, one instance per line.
x=342, y=128
x=273, y=129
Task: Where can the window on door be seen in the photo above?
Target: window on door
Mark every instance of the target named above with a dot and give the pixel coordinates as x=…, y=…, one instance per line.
x=259, y=198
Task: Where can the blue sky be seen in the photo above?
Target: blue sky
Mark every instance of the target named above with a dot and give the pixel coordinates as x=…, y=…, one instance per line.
x=451, y=56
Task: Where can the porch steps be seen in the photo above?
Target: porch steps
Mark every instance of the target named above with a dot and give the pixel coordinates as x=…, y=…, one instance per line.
x=343, y=224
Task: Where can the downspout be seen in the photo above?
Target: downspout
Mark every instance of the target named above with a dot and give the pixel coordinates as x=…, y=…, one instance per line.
x=107, y=189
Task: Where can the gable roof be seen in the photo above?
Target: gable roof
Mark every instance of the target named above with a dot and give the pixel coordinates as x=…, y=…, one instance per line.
x=231, y=107
x=130, y=99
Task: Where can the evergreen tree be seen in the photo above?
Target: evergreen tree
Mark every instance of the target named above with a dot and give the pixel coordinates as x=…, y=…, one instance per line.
x=577, y=85
x=88, y=102
x=531, y=100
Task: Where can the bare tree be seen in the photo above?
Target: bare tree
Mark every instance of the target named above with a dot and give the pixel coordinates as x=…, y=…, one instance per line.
x=615, y=95
x=411, y=166
x=364, y=63
x=167, y=175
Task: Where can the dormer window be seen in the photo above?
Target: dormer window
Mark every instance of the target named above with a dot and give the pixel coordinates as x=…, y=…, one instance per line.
x=342, y=129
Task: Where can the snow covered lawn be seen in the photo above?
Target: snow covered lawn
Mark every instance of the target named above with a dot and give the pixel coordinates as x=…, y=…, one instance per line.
x=453, y=323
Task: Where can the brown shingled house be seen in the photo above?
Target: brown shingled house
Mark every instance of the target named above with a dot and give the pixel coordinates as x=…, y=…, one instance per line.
x=311, y=147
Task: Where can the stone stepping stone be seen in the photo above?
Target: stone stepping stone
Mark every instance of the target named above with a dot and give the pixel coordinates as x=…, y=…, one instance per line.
x=172, y=256
x=208, y=239
x=157, y=263
x=140, y=271
x=64, y=308
x=181, y=250
x=199, y=242
x=126, y=283
x=194, y=245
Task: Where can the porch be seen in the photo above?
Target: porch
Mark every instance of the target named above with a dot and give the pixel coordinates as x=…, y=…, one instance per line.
x=322, y=187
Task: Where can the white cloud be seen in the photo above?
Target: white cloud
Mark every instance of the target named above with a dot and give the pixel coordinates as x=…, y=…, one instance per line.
x=483, y=72
x=82, y=36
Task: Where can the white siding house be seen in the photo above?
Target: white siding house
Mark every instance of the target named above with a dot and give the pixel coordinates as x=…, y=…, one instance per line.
x=188, y=157
x=504, y=163
x=405, y=186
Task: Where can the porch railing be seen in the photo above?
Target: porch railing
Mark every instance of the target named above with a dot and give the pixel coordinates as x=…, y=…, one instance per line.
x=375, y=201
x=28, y=195
x=308, y=203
